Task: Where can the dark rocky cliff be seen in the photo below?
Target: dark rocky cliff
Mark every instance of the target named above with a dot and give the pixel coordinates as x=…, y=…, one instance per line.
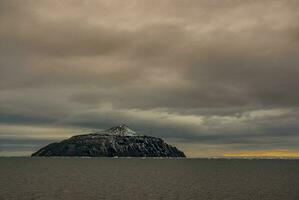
x=118, y=141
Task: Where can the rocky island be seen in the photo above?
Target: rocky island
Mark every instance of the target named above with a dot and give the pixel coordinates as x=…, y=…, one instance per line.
x=119, y=141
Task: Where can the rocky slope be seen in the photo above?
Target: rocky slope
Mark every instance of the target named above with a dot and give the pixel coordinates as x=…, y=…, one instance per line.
x=118, y=141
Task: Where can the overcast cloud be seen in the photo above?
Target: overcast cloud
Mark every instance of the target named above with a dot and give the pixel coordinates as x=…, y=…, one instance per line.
x=208, y=76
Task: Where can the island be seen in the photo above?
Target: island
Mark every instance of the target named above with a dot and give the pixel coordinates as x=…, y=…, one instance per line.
x=119, y=141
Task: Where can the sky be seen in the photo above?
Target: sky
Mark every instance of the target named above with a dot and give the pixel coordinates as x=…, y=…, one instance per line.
x=214, y=78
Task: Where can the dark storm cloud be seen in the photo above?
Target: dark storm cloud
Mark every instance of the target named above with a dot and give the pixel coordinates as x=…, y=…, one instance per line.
x=207, y=72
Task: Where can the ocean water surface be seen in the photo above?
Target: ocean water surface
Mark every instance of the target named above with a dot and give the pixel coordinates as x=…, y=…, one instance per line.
x=136, y=178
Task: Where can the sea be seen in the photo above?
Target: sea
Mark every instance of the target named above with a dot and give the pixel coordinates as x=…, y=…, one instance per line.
x=137, y=179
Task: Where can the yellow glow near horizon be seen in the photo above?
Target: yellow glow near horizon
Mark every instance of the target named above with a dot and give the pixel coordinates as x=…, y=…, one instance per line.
x=271, y=153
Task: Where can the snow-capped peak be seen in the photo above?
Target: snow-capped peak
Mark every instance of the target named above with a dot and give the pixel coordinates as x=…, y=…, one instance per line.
x=121, y=130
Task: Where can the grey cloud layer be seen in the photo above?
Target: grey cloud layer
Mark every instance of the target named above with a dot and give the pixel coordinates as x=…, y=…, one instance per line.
x=195, y=71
